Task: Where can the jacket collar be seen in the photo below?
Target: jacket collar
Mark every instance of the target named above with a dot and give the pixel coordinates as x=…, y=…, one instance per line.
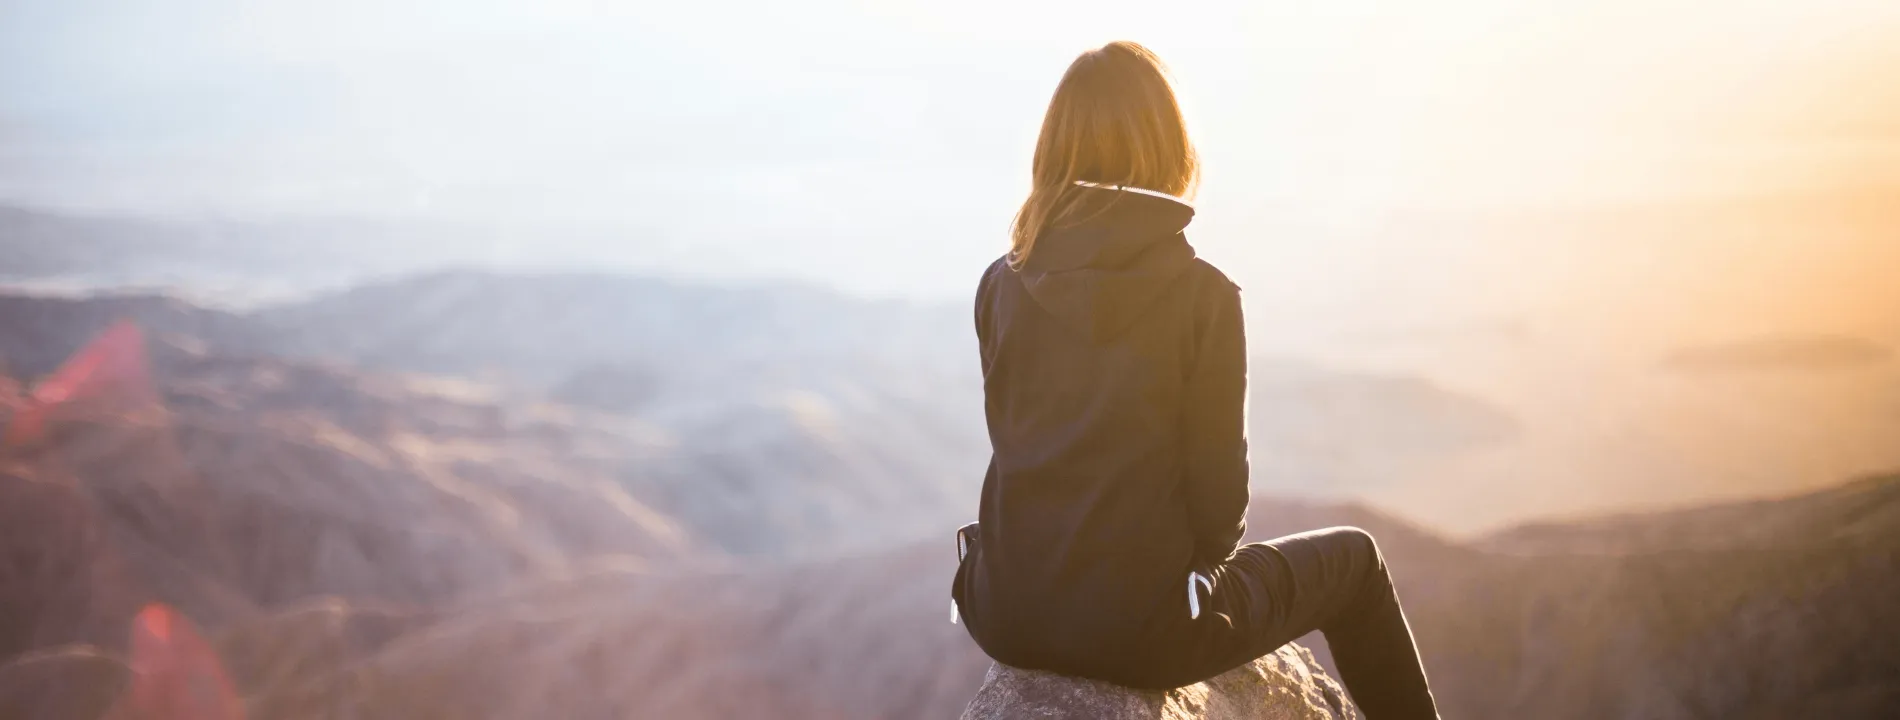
x=1132, y=189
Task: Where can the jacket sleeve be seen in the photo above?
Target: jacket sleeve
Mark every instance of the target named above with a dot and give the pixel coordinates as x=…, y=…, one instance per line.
x=982, y=314
x=1215, y=422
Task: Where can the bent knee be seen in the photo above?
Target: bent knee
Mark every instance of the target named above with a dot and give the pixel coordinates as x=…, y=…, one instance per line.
x=1356, y=536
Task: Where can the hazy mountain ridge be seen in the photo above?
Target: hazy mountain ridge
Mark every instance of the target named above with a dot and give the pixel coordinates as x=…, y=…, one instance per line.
x=1782, y=353
x=495, y=556
x=39, y=243
x=769, y=391
x=38, y=333
x=128, y=249
x=805, y=457
x=1314, y=430
x=1864, y=507
x=539, y=328
x=892, y=389
x=657, y=349
x=712, y=361
x=259, y=497
x=1557, y=630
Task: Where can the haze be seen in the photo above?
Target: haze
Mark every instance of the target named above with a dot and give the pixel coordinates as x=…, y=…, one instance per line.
x=879, y=147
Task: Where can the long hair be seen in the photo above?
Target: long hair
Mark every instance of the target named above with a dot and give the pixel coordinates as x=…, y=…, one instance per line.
x=1113, y=122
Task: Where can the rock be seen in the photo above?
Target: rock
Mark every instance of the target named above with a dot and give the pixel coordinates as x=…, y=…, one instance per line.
x=1287, y=684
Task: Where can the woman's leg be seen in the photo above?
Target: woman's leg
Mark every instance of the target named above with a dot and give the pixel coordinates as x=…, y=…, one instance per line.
x=1335, y=581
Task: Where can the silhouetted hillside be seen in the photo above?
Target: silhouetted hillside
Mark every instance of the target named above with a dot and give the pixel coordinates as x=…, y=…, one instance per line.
x=1765, y=609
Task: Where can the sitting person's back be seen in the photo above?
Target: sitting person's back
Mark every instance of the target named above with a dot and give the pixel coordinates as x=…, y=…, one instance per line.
x=1114, y=366
x=1087, y=535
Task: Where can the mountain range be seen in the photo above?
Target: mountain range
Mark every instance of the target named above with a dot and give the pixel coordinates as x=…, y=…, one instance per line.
x=471, y=495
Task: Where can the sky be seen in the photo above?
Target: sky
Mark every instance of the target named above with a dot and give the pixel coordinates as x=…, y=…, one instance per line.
x=880, y=147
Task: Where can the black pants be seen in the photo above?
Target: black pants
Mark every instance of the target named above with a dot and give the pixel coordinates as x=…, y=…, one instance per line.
x=1334, y=581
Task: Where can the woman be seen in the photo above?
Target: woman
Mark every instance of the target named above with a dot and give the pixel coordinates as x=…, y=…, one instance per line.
x=1115, y=377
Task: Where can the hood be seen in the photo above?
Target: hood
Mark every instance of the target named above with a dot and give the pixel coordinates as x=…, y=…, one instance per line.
x=1101, y=274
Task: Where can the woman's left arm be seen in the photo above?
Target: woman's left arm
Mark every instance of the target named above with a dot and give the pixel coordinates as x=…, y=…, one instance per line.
x=1214, y=413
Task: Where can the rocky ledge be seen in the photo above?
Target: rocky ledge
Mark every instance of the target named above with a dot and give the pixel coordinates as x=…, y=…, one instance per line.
x=1287, y=684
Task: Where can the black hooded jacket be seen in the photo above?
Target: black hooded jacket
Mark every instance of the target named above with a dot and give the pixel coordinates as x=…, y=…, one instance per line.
x=1114, y=372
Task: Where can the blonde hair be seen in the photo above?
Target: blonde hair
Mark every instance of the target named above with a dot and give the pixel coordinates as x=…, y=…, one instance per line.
x=1113, y=121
